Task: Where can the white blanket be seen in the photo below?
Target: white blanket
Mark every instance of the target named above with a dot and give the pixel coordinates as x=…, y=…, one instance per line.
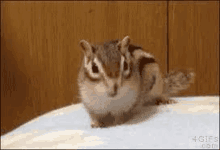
x=191, y=123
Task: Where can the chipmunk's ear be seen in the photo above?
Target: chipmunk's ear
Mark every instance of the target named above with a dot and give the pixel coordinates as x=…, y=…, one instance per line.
x=86, y=47
x=124, y=44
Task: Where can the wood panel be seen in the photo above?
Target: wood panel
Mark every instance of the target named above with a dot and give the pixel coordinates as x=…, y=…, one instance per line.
x=194, y=43
x=40, y=52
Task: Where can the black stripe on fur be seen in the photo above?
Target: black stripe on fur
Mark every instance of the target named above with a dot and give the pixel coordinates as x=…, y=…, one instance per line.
x=145, y=61
x=132, y=48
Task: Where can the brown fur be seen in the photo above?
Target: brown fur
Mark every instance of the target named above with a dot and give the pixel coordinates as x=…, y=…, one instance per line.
x=145, y=77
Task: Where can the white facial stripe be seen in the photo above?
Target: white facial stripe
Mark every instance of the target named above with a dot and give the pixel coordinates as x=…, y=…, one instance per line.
x=122, y=63
x=86, y=60
x=101, y=70
x=99, y=65
x=89, y=68
x=122, y=68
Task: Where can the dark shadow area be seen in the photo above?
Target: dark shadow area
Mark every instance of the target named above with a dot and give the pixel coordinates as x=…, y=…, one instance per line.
x=17, y=106
x=146, y=112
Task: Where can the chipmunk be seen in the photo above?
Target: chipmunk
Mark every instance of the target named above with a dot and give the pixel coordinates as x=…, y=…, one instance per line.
x=117, y=76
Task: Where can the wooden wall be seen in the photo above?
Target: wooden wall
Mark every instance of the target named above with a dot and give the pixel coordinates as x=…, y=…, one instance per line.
x=40, y=52
x=194, y=43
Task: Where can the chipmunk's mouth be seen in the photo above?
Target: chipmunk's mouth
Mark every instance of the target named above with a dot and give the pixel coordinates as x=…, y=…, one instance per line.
x=112, y=94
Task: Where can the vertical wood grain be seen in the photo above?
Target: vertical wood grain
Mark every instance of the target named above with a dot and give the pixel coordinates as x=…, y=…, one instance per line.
x=40, y=52
x=194, y=43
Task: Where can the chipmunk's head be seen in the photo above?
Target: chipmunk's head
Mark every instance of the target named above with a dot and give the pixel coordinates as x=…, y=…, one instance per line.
x=108, y=63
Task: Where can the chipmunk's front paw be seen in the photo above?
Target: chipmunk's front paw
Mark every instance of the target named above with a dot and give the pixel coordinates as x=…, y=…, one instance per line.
x=96, y=124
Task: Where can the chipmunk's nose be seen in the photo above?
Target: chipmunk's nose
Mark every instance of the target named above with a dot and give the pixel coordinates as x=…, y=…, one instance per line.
x=113, y=92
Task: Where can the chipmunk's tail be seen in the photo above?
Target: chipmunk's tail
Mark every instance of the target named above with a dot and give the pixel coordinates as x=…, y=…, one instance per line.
x=177, y=81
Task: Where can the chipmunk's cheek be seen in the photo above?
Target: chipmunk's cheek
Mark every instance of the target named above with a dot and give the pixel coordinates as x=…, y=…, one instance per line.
x=100, y=89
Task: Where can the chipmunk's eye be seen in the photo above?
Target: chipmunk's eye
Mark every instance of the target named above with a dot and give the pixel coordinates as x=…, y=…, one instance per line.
x=125, y=66
x=95, y=68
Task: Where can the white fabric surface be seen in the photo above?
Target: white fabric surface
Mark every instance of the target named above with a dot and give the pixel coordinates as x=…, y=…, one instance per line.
x=191, y=123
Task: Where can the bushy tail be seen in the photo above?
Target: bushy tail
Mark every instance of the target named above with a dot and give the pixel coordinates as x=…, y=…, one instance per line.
x=177, y=81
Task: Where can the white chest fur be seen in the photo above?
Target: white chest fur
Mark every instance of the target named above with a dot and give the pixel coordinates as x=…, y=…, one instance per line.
x=96, y=98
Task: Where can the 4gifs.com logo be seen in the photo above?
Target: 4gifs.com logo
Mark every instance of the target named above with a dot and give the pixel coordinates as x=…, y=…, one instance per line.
x=206, y=142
